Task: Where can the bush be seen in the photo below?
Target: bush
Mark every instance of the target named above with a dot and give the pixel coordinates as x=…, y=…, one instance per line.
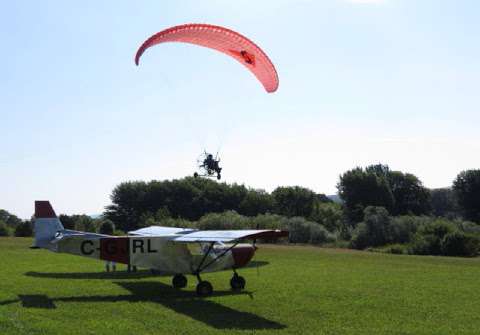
x=432, y=234
x=429, y=236
x=119, y=232
x=80, y=223
x=268, y=221
x=304, y=231
x=360, y=238
x=177, y=223
x=437, y=227
x=397, y=249
x=320, y=235
x=346, y=231
x=107, y=227
x=4, y=231
x=225, y=220
x=421, y=245
x=24, y=229
x=468, y=227
x=329, y=215
x=460, y=244
x=299, y=230
x=403, y=228
x=374, y=230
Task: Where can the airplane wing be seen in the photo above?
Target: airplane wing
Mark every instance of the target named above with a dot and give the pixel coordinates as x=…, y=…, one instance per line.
x=161, y=231
x=229, y=235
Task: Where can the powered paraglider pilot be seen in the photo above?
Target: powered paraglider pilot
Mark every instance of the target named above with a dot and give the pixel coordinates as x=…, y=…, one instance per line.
x=209, y=166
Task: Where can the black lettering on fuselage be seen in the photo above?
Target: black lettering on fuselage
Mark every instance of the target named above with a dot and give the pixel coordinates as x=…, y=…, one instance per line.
x=84, y=250
x=138, y=244
x=149, y=247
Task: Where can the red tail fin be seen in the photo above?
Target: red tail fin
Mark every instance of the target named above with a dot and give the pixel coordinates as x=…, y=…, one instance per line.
x=43, y=209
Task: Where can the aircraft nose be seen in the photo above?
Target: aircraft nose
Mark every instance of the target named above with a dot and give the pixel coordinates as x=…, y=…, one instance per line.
x=242, y=255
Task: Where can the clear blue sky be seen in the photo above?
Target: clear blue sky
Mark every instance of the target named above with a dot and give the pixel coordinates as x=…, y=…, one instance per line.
x=361, y=82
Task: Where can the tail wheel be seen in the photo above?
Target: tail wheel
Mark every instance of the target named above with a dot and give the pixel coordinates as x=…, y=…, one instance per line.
x=237, y=283
x=179, y=281
x=204, y=289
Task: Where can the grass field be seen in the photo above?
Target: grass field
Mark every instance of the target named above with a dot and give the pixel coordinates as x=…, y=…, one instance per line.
x=298, y=290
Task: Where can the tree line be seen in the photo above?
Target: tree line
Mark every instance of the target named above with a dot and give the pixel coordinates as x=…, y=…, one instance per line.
x=403, y=193
x=136, y=204
x=380, y=209
x=10, y=224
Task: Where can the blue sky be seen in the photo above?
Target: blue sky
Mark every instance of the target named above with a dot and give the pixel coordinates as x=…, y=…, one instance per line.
x=361, y=82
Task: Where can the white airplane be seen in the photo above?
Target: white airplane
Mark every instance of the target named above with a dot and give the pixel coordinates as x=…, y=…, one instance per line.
x=167, y=250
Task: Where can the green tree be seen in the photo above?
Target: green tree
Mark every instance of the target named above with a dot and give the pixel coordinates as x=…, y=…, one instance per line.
x=25, y=229
x=376, y=185
x=68, y=222
x=444, y=202
x=375, y=229
x=330, y=215
x=460, y=244
x=4, y=230
x=9, y=219
x=128, y=204
x=136, y=204
x=256, y=202
x=294, y=201
x=84, y=223
x=467, y=189
x=226, y=220
x=106, y=227
x=361, y=188
x=428, y=238
x=411, y=197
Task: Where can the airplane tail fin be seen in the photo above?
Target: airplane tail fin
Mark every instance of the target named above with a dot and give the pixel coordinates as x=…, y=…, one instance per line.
x=47, y=224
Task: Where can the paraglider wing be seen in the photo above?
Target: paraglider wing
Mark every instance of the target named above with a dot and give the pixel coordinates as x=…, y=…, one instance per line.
x=223, y=40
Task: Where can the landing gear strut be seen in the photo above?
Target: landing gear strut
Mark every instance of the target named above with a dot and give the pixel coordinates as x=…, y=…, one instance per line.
x=237, y=283
x=179, y=281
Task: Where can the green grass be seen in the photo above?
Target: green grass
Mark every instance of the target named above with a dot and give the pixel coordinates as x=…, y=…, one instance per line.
x=299, y=290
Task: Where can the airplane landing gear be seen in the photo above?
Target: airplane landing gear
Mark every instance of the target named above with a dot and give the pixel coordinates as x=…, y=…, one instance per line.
x=179, y=281
x=204, y=288
x=237, y=283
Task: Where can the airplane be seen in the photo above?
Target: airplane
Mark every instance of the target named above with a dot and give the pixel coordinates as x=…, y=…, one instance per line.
x=165, y=250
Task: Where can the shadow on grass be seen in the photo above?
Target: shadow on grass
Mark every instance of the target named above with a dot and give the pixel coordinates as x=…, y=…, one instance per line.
x=112, y=275
x=183, y=302
x=92, y=275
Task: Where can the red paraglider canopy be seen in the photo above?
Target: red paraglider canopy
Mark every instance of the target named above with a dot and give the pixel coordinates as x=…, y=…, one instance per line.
x=223, y=40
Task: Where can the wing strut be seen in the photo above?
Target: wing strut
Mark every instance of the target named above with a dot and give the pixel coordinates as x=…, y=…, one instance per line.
x=200, y=268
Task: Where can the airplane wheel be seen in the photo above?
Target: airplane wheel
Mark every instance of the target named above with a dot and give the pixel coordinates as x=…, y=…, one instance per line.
x=237, y=283
x=219, y=176
x=179, y=281
x=204, y=289
x=195, y=175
